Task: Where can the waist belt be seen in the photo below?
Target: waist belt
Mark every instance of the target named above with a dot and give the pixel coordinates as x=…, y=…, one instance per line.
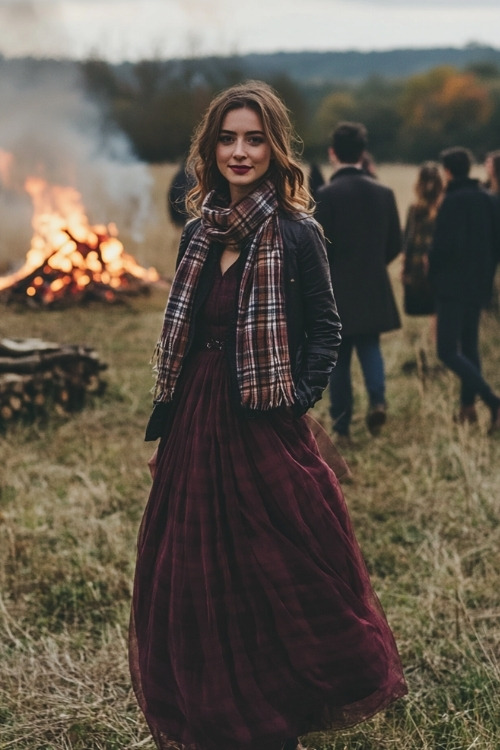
x=212, y=343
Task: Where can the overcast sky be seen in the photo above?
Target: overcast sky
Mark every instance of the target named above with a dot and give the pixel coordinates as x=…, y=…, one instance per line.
x=131, y=29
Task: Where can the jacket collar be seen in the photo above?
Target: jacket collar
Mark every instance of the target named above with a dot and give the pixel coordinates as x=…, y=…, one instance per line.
x=345, y=171
x=461, y=183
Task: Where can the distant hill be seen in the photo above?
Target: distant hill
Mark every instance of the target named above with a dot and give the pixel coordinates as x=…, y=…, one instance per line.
x=158, y=102
x=308, y=68
x=319, y=67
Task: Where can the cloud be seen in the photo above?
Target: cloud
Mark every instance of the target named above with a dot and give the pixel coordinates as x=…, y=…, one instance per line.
x=451, y=4
x=135, y=29
x=115, y=29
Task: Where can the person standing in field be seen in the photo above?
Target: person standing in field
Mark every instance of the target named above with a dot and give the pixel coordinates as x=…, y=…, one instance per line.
x=253, y=617
x=417, y=241
x=315, y=180
x=361, y=224
x=492, y=166
x=462, y=261
x=492, y=169
x=176, y=196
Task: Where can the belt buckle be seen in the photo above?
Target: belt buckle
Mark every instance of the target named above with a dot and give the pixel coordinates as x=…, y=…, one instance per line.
x=214, y=344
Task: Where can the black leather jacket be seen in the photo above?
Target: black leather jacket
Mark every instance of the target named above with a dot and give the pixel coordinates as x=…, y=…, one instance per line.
x=312, y=318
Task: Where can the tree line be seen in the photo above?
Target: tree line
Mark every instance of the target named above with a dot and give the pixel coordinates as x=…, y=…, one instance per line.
x=158, y=103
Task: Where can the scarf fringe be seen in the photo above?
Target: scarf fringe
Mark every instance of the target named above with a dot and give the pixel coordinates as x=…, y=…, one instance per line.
x=157, y=357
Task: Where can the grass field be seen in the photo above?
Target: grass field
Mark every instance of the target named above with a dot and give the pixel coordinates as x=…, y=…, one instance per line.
x=425, y=504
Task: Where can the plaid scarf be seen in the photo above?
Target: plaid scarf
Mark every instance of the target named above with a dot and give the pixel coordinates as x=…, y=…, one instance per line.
x=262, y=358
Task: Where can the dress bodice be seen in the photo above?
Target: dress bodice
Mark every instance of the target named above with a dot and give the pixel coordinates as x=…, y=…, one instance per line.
x=219, y=307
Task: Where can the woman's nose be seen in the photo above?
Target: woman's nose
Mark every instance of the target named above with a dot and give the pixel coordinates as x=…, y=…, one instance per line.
x=239, y=149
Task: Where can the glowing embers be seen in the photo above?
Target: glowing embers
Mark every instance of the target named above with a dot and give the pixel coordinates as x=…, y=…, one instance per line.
x=70, y=260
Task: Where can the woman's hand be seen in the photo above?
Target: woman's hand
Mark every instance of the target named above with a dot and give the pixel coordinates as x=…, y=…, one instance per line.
x=152, y=463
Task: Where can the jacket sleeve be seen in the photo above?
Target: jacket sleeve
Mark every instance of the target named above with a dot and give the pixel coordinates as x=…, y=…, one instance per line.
x=496, y=229
x=320, y=317
x=186, y=236
x=407, y=238
x=394, y=240
x=324, y=215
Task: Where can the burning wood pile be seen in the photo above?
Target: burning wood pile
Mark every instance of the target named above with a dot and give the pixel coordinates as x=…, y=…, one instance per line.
x=71, y=261
x=37, y=376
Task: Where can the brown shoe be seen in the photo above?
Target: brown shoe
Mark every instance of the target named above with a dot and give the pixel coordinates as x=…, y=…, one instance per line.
x=376, y=418
x=467, y=414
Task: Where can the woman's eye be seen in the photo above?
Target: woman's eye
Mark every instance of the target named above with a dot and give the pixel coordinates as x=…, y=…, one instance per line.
x=225, y=139
x=256, y=140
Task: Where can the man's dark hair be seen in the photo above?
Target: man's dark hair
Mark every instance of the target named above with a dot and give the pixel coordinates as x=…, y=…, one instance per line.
x=349, y=140
x=457, y=160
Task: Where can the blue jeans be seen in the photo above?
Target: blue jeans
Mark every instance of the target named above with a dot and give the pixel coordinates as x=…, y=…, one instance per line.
x=372, y=367
x=458, y=348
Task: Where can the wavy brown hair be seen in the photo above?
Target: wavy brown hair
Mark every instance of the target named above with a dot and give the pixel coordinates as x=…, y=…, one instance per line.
x=429, y=186
x=284, y=170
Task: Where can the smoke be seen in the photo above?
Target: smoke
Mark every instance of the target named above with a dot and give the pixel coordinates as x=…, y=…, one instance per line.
x=54, y=131
x=113, y=29
x=35, y=27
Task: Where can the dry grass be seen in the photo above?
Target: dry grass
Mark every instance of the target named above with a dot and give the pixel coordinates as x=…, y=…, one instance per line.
x=425, y=504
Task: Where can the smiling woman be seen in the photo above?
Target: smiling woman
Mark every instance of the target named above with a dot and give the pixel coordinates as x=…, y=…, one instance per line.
x=253, y=619
x=243, y=153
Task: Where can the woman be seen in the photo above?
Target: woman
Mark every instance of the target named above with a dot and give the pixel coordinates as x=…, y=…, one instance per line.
x=492, y=168
x=253, y=619
x=418, y=296
x=492, y=165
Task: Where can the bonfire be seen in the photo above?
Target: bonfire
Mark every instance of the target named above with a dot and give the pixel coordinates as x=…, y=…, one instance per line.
x=70, y=260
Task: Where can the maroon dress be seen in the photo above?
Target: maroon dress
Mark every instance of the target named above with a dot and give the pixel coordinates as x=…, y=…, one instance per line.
x=253, y=618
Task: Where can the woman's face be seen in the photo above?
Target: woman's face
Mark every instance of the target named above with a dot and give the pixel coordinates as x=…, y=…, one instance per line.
x=243, y=153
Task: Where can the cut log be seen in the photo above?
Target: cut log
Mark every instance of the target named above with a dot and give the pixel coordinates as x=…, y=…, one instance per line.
x=37, y=375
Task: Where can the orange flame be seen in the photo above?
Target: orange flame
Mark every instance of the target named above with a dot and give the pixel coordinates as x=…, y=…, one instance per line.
x=6, y=162
x=66, y=244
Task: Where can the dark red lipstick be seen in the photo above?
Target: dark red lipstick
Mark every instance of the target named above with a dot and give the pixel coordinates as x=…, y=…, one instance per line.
x=237, y=169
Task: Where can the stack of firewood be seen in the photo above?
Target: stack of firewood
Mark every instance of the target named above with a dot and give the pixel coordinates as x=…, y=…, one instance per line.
x=37, y=376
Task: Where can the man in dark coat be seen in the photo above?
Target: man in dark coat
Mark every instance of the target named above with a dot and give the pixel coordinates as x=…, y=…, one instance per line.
x=462, y=260
x=361, y=224
x=181, y=184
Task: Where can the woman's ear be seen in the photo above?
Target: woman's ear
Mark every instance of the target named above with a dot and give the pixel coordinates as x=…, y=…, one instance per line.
x=332, y=156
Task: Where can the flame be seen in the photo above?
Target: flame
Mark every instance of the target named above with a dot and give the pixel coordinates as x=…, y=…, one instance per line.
x=66, y=249
x=6, y=162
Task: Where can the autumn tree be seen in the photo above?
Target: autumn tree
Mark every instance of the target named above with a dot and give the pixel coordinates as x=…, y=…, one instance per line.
x=371, y=103
x=441, y=108
x=158, y=103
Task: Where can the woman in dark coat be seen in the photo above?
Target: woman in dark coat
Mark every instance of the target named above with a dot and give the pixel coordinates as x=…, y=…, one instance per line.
x=417, y=242
x=492, y=165
x=253, y=617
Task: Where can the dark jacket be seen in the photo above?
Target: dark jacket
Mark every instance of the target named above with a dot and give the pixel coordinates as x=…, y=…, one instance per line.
x=312, y=319
x=181, y=183
x=466, y=245
x=361, y=224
